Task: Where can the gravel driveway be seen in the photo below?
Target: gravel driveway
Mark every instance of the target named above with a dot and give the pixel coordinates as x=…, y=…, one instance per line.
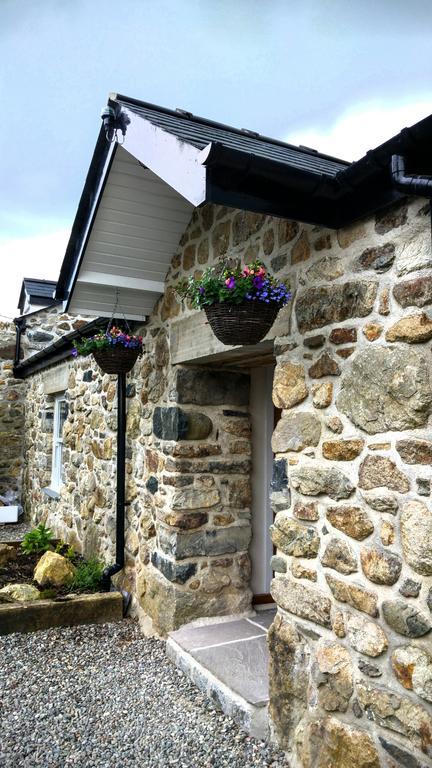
x=14, y=532
x=103, y=696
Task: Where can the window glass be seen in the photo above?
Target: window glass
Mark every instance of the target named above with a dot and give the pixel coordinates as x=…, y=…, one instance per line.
x=63, y=413
x=60, y=416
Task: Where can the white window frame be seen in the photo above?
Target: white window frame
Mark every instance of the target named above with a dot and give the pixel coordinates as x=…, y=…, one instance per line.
x=57, y=445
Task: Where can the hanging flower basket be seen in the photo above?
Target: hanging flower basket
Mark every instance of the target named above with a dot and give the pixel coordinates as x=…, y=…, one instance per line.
x=244, y=323
x=114, y=351
x=117, y=360
x=241, y=304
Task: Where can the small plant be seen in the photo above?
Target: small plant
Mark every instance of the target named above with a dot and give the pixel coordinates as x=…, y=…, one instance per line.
x=114, y=338
x=229, y=284
x=38, y=540
x=64, y=549
x=87, y=576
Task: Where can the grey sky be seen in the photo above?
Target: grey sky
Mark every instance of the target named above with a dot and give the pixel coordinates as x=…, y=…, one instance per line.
x=271, y=65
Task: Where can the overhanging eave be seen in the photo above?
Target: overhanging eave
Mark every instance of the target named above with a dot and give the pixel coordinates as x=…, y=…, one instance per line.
x=134, y=234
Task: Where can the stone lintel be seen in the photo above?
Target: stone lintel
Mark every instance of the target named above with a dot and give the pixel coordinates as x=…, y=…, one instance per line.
x=56, y=379
x=192, y=340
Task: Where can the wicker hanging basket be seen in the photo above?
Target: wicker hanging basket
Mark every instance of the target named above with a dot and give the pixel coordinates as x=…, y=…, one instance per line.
x=244, y=323
x=117, y=359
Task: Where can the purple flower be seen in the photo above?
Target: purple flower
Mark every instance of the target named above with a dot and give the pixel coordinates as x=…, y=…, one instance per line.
x=230, y=283
x=201, y=289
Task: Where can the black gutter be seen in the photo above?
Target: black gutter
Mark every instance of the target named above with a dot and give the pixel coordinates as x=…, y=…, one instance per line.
x=249, y=182
x=20, y=326
x=121, y=475
x=371, y=179
x=247, y=163
x=409, y=185
x=416, y=138
x=54, y=353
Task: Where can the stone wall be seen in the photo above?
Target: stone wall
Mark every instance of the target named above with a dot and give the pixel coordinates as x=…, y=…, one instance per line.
x=41, y=328
x=353, y=524
x=187, y=489
x=12, y=398
x=45, y=326
x=350, y=648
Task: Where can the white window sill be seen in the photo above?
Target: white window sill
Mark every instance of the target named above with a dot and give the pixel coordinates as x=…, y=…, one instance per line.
x=53, y=493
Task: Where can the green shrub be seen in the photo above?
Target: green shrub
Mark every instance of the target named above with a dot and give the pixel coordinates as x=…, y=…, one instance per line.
x=38, y=540
x=87, y=576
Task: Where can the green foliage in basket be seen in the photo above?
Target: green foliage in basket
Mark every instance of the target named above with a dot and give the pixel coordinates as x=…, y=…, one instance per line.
x=233, y=284
x=115, y=338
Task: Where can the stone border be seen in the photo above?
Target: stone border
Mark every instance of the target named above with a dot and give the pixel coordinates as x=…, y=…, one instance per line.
x=97, y=608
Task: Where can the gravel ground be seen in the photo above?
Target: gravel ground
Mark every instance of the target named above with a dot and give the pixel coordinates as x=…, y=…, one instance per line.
x=103, y=696
x=13, y=532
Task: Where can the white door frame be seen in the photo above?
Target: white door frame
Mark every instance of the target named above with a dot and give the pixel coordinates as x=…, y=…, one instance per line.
x=262, y=417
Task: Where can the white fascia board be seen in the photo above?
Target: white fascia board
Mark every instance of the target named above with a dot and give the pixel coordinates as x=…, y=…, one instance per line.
x=174, y=161
x=112, y=148
x=120, y=281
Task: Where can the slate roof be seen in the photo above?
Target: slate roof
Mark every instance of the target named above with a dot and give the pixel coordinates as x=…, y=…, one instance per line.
x=39, y=292
x=199, y=132
x=39, y=288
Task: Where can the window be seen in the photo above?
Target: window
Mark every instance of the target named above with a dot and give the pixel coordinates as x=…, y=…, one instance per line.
x=60, y=416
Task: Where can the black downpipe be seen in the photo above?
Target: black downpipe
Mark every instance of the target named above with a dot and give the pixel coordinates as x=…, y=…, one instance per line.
x=409, y=185
x=20, y=325
x=120, y=496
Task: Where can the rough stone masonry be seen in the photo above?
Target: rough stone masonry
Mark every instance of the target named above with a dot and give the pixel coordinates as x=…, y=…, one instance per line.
x=12, y=406
x=351, y=655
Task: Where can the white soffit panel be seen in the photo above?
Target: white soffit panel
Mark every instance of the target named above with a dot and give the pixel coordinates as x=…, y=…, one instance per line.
x=135, y=234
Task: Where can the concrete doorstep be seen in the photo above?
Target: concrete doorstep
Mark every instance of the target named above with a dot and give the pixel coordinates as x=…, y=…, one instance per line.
x=228, y=661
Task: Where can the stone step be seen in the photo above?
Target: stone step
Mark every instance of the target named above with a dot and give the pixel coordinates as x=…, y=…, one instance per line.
x=228, y=661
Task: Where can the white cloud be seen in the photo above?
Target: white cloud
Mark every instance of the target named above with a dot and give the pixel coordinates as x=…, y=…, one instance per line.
x=362, y=128
x=38, y=256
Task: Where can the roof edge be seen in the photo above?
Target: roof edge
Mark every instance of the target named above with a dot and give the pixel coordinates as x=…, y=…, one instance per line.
x=58, y=350
x=189, y=116
x=355, y=180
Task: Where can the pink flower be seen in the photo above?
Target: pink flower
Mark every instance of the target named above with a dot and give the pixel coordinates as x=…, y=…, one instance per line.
x=230, y=283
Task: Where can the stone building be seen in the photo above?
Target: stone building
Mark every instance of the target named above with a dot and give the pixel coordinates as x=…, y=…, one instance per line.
x=12, y=402
x=315, y=442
